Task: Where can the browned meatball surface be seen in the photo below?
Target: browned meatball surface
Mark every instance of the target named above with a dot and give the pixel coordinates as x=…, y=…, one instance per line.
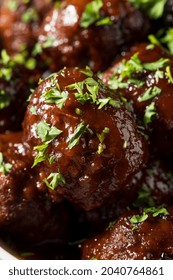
x=69, y=38
x=126, y=239
x=24, y=211
x=83, y=136
x=18, y=23
x=16, y=82
x=144, y=76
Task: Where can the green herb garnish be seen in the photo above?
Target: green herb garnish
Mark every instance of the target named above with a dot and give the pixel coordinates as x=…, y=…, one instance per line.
x=56, y=96
x=155, y=211
x=154, y=66
x=78, y=132
x=33, y=110
x=169, y=75
x=153, y=8
x=92, y=15
x=150, y=112
x=54, y=180
x=29, y=15
x=42, y=154
x=4, y=167
x=47, y=133
x=149, y=94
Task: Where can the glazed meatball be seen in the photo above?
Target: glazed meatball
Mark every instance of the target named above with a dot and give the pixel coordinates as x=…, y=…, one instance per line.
x=83, y=138
x=19, y=23
x=128, y=239
x=16, y=81
x=16, y=26
x=144, y=76
x=68, y=38
x=24, y=211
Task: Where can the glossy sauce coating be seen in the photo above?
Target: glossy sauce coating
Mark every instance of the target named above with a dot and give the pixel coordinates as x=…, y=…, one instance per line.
x=24, y=211
x=91, y=177
x=161, y=122
x=69, y=44
x=149, y=240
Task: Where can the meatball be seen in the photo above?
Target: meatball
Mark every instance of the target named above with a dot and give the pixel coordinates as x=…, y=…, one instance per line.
x=85, y=142
x=16, y=81
x=17, y=25
x=68, y=38
x=136, y=235
x=26, y=212
x=144, y=76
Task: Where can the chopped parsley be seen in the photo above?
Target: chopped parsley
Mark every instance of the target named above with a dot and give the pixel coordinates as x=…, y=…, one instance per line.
x=78, y=111
x=12, y=5
x=47, y=134
x=54, y=180
x=150, y=112
x=149, y=94
x=92, y=15
x=101, y=148
x=169, y=75
x=138, y=218
x=92, y=86
x=33, y=110
x=153, y=66
x=29, y=15
x=102, y=135
x=167, y=40
x=56, y=96
x=4, y=167
x=124, y=75
x=38, y=48
x=155, y=211
x=78, y=132
x=42, y=154
x=153, y=8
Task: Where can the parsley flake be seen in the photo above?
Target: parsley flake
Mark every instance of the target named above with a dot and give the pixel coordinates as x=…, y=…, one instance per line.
x=153, y=66
x=102, y=136
x=153, y=8
x=33, y=110
x=155, y=211
x=56, y=96
x=139, y=218
x=42, y=154
x=78, y=132
x=4, y=167
x=169, y=75
x=167, y=40
x=149, y=94
x=57, y=180
x=47, y=133
x=150, y=112
x=92, y=15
